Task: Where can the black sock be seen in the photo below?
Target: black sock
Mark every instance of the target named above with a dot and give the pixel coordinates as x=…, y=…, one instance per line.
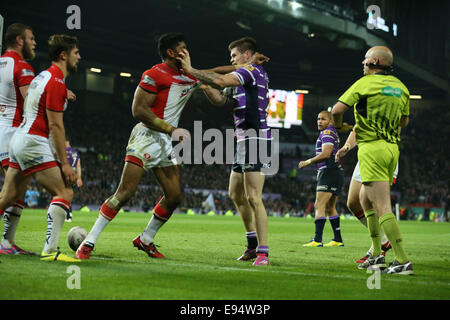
x=336, y=225
x=252, y=240
x=320, y=224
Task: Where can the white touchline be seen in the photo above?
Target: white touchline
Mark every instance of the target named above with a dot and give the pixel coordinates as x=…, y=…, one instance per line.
x=363, y=277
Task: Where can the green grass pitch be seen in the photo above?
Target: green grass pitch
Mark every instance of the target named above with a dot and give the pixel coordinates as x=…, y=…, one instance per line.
x=201, y=262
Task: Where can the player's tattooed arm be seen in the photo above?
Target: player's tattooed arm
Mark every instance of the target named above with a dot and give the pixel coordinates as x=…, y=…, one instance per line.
x=258, y=59
x=217, y=97
x=211, y=78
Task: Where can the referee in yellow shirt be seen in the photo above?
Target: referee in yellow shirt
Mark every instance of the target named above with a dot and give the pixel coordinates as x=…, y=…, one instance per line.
x=381, y=106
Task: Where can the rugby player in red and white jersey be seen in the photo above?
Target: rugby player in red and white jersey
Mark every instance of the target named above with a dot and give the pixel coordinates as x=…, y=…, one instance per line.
x=158, y=102
x=15, y=77
x=37, y=148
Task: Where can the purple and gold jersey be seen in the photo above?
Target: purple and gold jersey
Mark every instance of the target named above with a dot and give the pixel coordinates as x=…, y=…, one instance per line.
x=73, y=157
x=251, y=102
x=328, y=136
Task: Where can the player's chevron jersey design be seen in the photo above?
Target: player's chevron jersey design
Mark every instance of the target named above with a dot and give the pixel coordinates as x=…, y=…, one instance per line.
x=380, y=101
x=172, y=90
x=251, y=102
x=14, y=73
x=47, y=91
x=327, y=137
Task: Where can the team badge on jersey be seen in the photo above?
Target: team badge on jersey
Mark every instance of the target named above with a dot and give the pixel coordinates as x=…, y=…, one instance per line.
x=26, y=73
x=149, y=80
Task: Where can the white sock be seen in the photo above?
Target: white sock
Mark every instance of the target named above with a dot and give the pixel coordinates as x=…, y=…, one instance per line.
x=12, y=217
x=55, y=220
x=98, y=227
x=152, y=228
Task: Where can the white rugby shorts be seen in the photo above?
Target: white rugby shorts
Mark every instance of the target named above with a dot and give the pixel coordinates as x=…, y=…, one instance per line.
x=31, y=153
x=148, y=148
x=6, y=134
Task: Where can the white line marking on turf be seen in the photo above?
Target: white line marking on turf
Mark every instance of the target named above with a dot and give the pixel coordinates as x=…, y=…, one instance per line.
x=254, y=269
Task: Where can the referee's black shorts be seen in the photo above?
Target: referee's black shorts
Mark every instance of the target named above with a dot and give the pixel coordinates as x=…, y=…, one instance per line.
x=330, y=180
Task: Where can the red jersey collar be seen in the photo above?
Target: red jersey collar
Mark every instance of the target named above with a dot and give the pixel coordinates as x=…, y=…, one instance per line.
x=13, y=54
x=56, y=71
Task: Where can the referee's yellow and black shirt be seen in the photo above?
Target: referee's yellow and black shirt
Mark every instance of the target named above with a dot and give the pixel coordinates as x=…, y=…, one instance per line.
x=380, y=100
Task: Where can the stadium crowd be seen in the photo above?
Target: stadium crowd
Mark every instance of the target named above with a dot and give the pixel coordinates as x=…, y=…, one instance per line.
x=423, y=175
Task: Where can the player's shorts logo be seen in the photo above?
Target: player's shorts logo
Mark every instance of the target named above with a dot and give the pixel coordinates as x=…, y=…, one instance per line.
x=147, y=156
x=2, y=109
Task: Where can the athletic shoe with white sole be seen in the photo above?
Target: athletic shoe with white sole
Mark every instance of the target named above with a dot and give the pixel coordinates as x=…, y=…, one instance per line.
x=248, y=254
x=371, y=263
x=399, y=268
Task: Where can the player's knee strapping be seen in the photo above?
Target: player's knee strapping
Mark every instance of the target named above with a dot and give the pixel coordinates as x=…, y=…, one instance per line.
x=161, y=213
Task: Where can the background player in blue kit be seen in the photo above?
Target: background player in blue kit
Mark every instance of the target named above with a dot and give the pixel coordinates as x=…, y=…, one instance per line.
x=330, y=179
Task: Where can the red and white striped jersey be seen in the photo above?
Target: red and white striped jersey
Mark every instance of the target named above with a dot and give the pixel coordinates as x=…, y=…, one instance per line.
x=47, y=91
x=172, y=90
x=14, y=73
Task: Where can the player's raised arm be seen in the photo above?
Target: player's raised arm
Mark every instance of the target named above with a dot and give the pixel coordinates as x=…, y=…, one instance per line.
x=211, y=78
x=216, y=97
x=258, y=59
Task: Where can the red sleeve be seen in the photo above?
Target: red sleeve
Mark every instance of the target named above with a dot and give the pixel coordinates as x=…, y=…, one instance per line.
x=24, y=73
x=56, y=96
x=150, y=80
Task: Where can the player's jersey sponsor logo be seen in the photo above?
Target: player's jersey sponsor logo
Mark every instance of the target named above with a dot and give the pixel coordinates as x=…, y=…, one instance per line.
x=3, y=64
x=186, y=91
x=26, y=72
x=249, y=67
x=36, y=160
x=149, y=80
x=389, y=91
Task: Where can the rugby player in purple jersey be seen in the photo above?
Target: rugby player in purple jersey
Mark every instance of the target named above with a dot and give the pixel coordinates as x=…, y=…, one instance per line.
x=247, y=88
x=330, y=179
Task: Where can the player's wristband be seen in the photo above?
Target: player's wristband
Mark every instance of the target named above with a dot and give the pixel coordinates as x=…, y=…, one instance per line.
x=308, y=162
